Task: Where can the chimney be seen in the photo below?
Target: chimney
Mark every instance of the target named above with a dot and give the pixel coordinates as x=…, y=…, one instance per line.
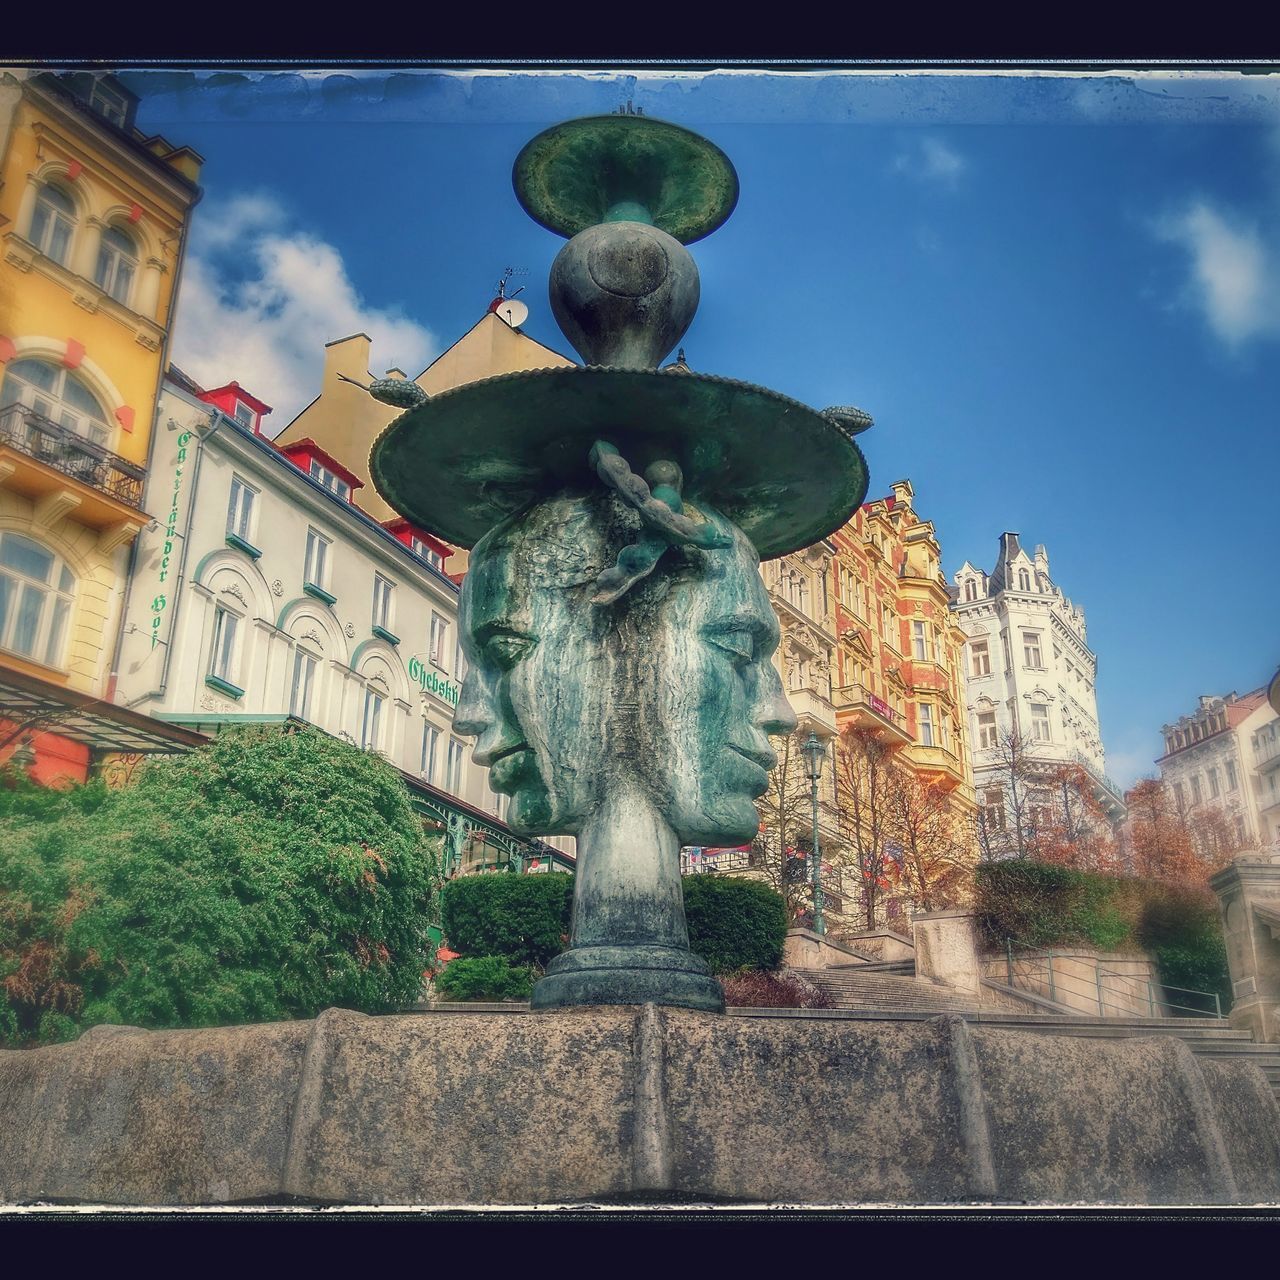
x=348, y=356
x=1008, y=546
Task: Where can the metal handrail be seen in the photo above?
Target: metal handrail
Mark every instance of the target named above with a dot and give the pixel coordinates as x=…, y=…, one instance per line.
x=66, y=450
x=1096, y=989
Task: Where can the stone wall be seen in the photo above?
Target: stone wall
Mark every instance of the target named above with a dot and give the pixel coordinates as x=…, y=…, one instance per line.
x=626, y=1104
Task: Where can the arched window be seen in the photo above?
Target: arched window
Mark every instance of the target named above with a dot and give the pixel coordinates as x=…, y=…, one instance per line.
x=970, y=589
x=57, y=394
x=1024, y=580
x=35, y=600
x=52, y=223
x=117, y=264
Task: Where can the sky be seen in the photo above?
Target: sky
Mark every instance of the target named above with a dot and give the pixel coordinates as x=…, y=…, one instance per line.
x=1057, y=294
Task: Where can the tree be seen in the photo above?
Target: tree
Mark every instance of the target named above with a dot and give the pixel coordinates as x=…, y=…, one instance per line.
x=780, y=850
x=868, y=783
x=1071, y=829
x=268, y=875
x=937, y=851
x=1008, y=830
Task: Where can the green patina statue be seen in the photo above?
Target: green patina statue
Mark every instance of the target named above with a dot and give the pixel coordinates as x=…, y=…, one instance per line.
x=618, y=632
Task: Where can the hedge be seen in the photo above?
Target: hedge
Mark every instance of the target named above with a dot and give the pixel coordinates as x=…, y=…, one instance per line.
x=268, y=875
x=1042, y=905
x=483, y=978
x=734, y=923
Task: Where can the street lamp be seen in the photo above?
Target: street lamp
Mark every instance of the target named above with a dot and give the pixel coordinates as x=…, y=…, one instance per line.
x=814, y=754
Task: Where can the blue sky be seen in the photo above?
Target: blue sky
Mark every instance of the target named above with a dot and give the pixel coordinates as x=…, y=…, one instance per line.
x=1058, y=295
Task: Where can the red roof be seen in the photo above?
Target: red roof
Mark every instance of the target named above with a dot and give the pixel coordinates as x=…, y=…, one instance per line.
x=309, y=449
x=1244, y=707
x=258, y=406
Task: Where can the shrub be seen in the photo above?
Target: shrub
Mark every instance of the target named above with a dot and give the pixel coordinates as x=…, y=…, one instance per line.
x=266, y=876
x=754, y=990
x=523, y=918
x=483, y=978
x=1046, y=906
x=735, y=923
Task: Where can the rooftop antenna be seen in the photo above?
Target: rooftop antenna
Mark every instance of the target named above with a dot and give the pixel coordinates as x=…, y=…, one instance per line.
x=504, y=305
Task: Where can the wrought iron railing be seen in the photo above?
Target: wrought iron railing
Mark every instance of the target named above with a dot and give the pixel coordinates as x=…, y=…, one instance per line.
x=1100, y=778
x=69, y=452
x=1040, y=972
x=849, y=694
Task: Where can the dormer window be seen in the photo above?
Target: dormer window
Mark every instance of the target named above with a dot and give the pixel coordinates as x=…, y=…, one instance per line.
x=109, y=103
x=245, y=416
x=970, y=589
x=1024, y=580
x=330, y=481
x=431, y=556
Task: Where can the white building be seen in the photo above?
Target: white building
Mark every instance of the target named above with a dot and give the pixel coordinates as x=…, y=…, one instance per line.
x=1028, y=670
x=263, y=592
x=1224, y=759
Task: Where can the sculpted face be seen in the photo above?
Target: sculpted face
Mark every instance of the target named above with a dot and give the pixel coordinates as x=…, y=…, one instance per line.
x=670, y=687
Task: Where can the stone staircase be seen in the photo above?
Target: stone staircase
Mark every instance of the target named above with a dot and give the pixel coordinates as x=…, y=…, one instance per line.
x=860, y=986
x=869, y=992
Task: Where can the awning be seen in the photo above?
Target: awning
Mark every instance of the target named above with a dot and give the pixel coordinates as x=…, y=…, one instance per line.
x=44, y=707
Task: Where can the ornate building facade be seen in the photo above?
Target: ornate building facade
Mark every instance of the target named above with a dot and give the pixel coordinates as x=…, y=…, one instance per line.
x=93, y=224
x=1030, y=685
x=1221, y=764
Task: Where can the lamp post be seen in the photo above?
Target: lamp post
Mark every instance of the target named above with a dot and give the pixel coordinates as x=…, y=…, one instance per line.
x=814, y=754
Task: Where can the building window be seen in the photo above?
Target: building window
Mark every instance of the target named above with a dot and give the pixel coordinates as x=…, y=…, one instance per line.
x=222, y=655
x=1195, y=789
x=993, y=809
x=240, y=510
x=1031, y=655
x=987, y=730
x=316, y=571
x=970, y=589
x=459, y=662
x=453, y=776
x=430, y=746
x=334, y=483
x=420, y=548
x=382, y=589
x=304, y=678
x=980, y=658
x=110, y=104
x=1024, y=580
x=888, y=625
x=1040, y=722
x=439, y=634
x=917, y=641
x=1214, y=788
x=245, y=415
x=1233, y=782
x=56, y=394
x=52, y=223
x=1179, y=797
x=35, y=600
x=1240, y=833
x=371, y=721
x=117, y=264
x=926, y=725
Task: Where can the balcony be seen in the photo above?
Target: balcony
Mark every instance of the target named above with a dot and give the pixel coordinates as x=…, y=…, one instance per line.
x=856, y=704
x=1111, y=797
x=1266, y=752
x=814, y=712
x=937, y=759
x=38, y=456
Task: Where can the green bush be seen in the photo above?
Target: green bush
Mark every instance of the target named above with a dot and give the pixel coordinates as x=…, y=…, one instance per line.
x=483, y=978
x=735, y=923
x=1046, y=906
x=266, y=876
x=523, y=918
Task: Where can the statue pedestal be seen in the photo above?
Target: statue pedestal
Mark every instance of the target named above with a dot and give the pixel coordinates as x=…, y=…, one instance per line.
x=628, y=975
x=628, y=1105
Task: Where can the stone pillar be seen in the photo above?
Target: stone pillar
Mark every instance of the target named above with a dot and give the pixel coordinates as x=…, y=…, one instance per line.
x=84, y=260
x=1249, y=894
x=946, y=950
x=148, y=303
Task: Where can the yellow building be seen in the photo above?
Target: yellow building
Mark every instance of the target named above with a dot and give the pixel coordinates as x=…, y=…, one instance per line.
x=93, y=226
x=344, y=420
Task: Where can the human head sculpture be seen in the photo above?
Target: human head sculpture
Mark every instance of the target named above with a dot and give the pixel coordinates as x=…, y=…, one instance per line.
x=666, y=689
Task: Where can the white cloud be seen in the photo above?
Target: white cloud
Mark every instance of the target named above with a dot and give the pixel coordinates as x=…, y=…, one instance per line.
x=1233, y=272
x=259, y=302
x=931, y=160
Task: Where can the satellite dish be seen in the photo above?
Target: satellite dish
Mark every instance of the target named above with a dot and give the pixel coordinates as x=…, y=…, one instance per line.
x=513, y=312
